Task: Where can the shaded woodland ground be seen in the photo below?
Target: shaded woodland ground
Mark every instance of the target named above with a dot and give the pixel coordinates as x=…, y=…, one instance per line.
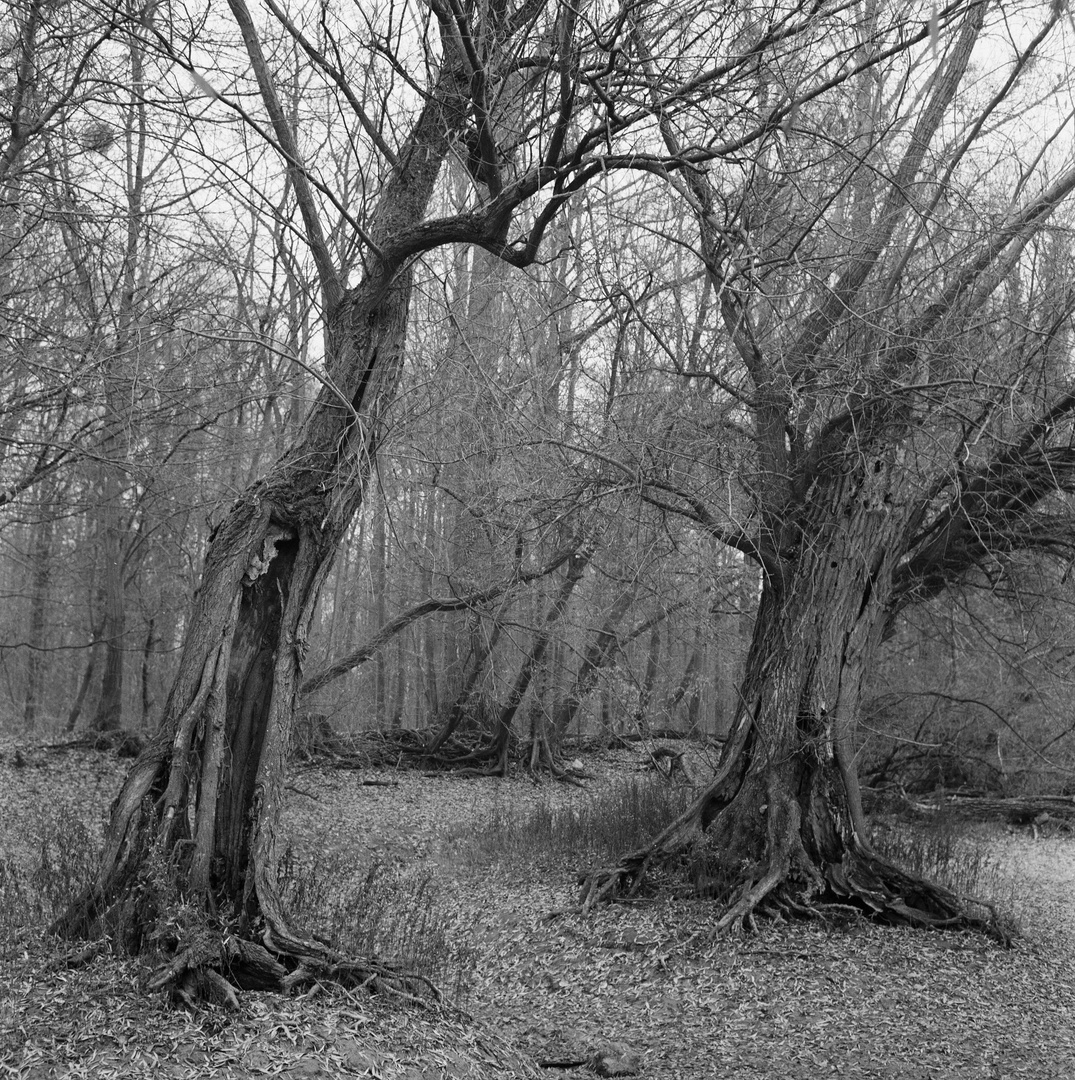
x=459, y=876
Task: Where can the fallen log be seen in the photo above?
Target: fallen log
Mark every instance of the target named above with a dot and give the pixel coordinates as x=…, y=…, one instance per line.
x=1016, y=810
x=1019, y=810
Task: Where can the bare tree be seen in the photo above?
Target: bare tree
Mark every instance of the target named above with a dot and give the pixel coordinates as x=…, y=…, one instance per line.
x=209, y=787
x=893, y=353
x=538, y=100
x=107, y=295
x=55, y=56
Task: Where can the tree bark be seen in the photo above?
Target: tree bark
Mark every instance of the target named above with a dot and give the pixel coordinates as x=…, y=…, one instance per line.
x=197, y=816
x=780, y=830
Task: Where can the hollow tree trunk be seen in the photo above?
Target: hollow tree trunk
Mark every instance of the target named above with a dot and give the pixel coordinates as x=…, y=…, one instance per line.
x=197, y=815
x=209, y=785
x=782, y=819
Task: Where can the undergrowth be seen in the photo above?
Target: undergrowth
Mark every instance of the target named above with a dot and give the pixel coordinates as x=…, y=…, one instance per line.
x=401, y=914
x=377, y=910
x=60, y=861
x=381, y=911
x=627, y=814
x=617, y=818
x=943, y=849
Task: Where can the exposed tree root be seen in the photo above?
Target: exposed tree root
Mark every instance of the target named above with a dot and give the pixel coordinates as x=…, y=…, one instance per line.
x=765, y=854
x=213, y=967
x=628, y=876
x=475, y=757
x=492, y=753
x=213, y=962
x=150, y=900
x=784, y=888
x=895, y=895
x=494, y=759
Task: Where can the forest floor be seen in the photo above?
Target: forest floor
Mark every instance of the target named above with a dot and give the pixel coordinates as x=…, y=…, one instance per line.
x=645, y=984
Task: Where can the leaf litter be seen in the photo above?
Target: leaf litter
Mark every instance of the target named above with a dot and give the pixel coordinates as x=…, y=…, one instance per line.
x=805, y=1000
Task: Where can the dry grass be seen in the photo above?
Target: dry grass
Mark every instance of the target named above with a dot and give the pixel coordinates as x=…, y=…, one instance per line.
x=624, y=813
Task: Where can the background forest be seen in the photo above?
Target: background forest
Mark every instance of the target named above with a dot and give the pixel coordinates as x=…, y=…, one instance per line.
x=541, y=537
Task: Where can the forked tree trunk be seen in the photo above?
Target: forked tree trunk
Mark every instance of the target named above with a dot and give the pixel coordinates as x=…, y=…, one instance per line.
x=782, y=820
x=780, y=829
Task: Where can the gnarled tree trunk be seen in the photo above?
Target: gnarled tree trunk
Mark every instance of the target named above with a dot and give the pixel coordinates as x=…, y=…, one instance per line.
x=857, y=511
x=197, y=816
x=780, y=829
x=204, y=798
